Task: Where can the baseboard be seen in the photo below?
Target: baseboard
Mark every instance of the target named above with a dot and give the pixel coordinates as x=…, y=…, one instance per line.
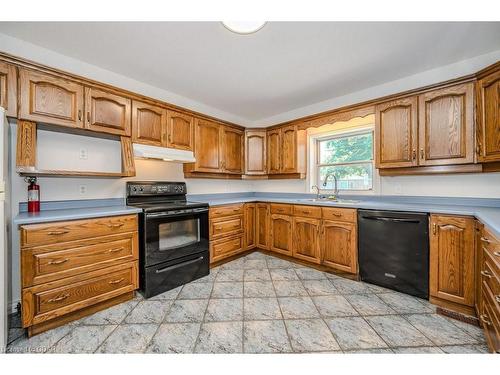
x=12, y=307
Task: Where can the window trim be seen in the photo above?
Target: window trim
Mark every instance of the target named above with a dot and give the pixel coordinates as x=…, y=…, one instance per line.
x=317, y=138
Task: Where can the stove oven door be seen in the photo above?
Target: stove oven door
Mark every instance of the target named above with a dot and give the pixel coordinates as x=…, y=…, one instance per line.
x=171, y=236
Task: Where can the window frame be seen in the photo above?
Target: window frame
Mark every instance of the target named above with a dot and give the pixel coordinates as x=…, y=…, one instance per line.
x=345, y=134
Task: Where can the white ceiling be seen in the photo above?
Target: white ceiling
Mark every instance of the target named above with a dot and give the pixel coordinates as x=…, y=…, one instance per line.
x=284, y=66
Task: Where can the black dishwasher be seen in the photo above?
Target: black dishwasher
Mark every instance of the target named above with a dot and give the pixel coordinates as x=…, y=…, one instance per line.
x=394, y=250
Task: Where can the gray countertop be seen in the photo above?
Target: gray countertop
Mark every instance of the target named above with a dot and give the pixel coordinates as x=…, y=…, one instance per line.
x=489, y=216
x=45, y=216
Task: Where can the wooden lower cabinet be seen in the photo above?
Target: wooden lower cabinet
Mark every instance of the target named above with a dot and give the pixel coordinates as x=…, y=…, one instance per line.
x=225, y=247
x=339, y=246
x=281, y=237
x=451, y=274
x=249, y=219
x=226, y=231
x=75, y=268
x=262, y=224
x=306, y=239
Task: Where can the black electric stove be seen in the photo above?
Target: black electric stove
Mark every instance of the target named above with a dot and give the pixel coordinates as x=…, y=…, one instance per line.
x=173, y=235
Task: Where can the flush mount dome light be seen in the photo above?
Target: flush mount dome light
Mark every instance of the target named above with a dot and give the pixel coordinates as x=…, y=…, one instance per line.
x=243, y=27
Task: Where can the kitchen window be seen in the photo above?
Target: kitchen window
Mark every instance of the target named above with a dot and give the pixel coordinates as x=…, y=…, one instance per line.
x=349, y=157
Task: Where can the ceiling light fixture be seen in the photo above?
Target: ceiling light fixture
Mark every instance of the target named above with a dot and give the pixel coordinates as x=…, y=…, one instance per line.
x=243, y=27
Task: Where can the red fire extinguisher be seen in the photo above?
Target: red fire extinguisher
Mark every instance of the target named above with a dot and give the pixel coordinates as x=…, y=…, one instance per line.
x=33, y=195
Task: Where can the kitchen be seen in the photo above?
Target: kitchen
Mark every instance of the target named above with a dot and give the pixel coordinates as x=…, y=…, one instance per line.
x=143, y=224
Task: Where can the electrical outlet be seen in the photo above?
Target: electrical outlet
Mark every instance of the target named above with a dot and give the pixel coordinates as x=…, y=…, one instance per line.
x=84, y=154
x=83, y=189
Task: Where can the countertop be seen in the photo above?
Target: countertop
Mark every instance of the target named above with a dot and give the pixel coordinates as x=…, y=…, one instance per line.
x=489, y=216
x=45, y=216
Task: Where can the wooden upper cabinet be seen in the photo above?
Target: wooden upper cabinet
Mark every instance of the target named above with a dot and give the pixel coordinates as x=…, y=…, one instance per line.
x=148, y=124
x=233, y=157
x=339, y=248
x=8, y=89
x=306, y=239
x=255, y=152
x=451, y=275
x=396, y=133
x=262, y=223
x=289, y=149
x=281, y=234
x=274, y=151
x=107, y=112
x=488, y=117
x=208, y=146
x=446, y=125
x=180, y=131
x=51, y=100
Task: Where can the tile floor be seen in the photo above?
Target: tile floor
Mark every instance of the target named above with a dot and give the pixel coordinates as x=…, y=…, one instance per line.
x=262, y=304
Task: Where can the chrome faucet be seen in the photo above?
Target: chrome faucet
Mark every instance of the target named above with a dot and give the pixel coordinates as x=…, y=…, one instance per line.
x=336, y=188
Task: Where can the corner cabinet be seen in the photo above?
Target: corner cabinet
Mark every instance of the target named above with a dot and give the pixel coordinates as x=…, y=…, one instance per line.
x=396, y=132
x=48, y=99
x=488, y=117
x=255, y=152
x=249, y=221
x=107, y=112
x=262, y=224
x=452, y=253
x=148, y=124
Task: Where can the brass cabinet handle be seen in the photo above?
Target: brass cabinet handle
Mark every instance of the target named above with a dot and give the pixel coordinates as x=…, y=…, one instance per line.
x=337, y=214
x=116, y=281
x=421, y=153
x=58, y=299
x=414, y=154
x=117, y=225
x=115, y=250
x=434, y=228
x=79, y=115
x=484, y=239
x=57, y=232
x=486, y=274
x=484, y=319
x=56, y=262
x=88, y=117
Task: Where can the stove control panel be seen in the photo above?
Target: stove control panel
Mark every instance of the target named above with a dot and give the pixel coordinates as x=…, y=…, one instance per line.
x=155, y=188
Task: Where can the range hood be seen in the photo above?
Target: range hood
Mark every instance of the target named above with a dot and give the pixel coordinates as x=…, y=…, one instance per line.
x=163, y=153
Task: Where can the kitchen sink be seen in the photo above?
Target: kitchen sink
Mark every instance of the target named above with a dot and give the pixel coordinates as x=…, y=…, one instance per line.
x=331, y=201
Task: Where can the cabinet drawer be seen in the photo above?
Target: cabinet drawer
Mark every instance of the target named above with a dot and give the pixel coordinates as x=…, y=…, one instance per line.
x=339, y=214
x=490, y=319
x=225, y=247
x=42, y=234
x=54, y=299
x=307, y=211
x=226, y=226
x=54, y=262
x=281, y=209
x=490, y=276
x=234, y=209
x=491, y=244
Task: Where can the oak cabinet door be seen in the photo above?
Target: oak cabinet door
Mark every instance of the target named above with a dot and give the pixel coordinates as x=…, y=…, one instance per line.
x=289, y=149
x=232, y=146
x=488, y=117
x=51, y=100
x=339, y=247
x=446, y=126
x=451, y=275
x=262, y=226
x=8, y=89
x=107, y=112
x=306, y=239
x=255, y=152
x=274, y=151
x=281, y=234
x=396, y=133
x=180, y=130
x=148, y=124
x=208, y=146
x=250, y=212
